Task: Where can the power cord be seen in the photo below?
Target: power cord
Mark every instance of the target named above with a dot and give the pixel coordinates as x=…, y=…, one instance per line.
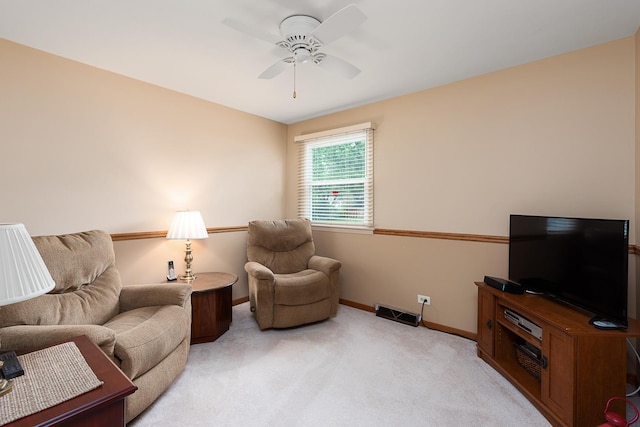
x=638, y=358
x=426, y=326
x=422, y=315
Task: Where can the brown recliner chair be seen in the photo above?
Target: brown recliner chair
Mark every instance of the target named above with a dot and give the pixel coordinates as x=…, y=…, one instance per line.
x=289, y=285
x=144, y=329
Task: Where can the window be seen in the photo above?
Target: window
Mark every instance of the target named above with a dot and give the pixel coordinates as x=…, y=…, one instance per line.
x=335, y=177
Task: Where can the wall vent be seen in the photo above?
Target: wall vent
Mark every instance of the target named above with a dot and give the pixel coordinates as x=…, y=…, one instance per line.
x=397, y=315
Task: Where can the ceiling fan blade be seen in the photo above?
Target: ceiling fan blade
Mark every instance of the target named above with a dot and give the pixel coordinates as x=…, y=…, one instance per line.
x=340, y=23
x=274, y=70
x=251, y=31
x=339, y=66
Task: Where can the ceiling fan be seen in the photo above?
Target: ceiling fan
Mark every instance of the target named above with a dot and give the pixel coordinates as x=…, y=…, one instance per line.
x=304, y=36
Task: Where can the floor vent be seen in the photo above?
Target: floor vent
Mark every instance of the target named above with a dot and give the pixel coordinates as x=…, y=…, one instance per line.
x=397, y=315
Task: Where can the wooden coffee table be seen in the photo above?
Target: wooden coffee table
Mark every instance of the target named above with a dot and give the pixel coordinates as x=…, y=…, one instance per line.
x=101, y=407
x=211, y=303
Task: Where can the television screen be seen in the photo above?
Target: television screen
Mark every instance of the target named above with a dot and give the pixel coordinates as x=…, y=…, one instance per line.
x=580, y=261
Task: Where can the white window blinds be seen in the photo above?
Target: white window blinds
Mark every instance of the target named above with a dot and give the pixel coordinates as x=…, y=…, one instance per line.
x=335, y=177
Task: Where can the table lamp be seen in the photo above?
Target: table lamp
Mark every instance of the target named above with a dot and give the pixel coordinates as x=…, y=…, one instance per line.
x=23, y=273
x=187, y=225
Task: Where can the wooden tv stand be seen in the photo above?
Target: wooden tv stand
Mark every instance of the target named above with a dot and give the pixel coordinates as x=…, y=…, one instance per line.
x=580, y=367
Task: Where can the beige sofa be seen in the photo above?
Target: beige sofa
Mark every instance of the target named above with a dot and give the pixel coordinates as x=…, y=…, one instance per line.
x=145, y=329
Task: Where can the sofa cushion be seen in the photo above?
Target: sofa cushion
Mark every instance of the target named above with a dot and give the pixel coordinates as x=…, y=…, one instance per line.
x=76, y=259
x=87, y=286
x=145, y=336
x=92, y=304
x=304, y=287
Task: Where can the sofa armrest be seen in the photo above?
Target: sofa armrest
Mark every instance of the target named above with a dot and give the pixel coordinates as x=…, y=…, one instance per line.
x=259, y=271
x=324, y=264
x=25, y=338
x=137, y=296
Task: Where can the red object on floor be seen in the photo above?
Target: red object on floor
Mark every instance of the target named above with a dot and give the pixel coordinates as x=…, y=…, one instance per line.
x=617, y=420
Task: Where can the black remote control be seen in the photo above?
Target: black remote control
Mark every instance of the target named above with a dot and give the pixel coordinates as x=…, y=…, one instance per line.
x=11, y=367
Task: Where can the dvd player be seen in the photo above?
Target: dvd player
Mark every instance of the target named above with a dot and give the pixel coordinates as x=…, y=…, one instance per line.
x=523, y=323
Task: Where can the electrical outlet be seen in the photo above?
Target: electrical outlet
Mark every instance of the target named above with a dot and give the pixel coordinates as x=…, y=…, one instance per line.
x=425, y=299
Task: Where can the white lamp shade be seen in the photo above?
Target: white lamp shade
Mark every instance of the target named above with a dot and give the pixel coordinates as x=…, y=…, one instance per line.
x=23, y=273
x=187, y=225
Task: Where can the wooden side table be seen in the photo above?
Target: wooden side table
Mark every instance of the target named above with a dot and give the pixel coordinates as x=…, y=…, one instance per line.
x=101, y=407
x=211, y=303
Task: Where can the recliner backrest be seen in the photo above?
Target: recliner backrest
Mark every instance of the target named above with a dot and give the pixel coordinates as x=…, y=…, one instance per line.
x=283, y=246
x=87, y=287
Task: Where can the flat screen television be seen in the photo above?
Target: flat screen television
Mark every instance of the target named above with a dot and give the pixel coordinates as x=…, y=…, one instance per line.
x=580, y=261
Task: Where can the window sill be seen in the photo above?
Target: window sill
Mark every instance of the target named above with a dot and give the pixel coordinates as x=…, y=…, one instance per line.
x=341, y=229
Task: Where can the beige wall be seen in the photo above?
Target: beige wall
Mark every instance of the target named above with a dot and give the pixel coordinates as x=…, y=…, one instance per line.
x=553, y=137
x=556, y=136
x=83, y=148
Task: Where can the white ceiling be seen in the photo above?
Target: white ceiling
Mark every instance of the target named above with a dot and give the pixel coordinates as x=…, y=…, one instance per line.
x=404, y=46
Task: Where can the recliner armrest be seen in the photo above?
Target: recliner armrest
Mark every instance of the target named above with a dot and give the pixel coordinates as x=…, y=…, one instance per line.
x=146, y=295
x=25, y=338
x=324, y=264
x=259, y=271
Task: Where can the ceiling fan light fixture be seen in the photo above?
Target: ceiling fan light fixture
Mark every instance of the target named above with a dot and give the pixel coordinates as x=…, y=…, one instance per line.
x=302, y=55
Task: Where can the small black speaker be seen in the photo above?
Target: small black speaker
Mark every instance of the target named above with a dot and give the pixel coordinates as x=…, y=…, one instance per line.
x=504, y=285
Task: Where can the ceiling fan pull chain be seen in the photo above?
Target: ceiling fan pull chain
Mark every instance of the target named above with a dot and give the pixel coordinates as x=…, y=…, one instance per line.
x=294, y=80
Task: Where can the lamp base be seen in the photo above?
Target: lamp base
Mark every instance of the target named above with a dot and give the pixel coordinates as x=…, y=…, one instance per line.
x=190, y=277
x=5, y=386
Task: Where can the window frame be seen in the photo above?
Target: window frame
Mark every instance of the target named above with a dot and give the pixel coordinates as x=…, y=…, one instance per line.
x=328, y=138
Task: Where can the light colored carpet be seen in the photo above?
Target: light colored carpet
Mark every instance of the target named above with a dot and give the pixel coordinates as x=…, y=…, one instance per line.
x=354, y=370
